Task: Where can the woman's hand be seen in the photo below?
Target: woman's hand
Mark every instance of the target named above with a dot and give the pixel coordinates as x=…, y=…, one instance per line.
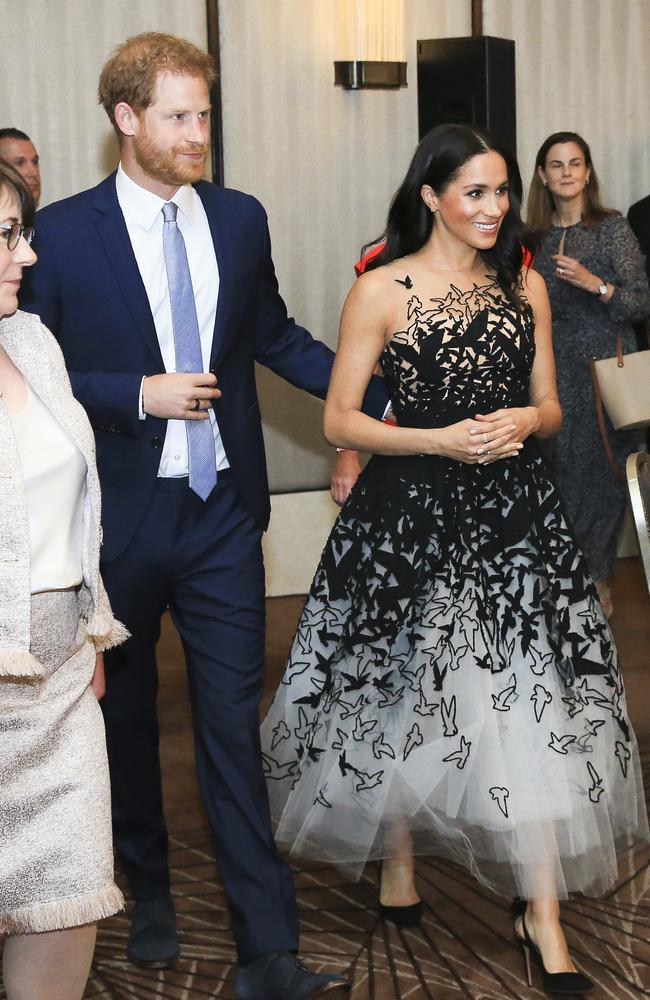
x=572, y=271
x=98, y=683
x=345, y=473
x=478, y=442
x=507, y=427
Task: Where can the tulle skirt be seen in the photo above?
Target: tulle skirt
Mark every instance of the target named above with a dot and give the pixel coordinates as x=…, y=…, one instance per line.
x=453, y=689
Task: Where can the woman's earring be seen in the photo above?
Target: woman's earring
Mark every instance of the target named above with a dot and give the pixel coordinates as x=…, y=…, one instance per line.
x=545, y=183
x=587, y=182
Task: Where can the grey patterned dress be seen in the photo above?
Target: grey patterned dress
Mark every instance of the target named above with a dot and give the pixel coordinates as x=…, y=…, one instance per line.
x=584, y=326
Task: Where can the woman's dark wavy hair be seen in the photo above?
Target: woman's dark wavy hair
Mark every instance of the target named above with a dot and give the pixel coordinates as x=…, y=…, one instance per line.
x=437, y=161
x=13, y=184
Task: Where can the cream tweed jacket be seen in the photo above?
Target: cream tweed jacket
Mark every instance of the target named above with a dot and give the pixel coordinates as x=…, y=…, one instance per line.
x=36, y=354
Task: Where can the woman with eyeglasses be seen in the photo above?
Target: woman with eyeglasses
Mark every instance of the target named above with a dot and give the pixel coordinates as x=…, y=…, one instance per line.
x=596, y=281
x=56, y=862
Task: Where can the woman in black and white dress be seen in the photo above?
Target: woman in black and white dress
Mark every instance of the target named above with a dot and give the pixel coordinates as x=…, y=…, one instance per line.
x=453, y=687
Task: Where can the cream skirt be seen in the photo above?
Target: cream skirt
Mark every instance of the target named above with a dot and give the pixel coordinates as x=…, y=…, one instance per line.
x=56, y=858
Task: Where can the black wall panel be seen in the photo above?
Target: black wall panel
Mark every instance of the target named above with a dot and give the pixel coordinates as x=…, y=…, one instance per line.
x=468, y=81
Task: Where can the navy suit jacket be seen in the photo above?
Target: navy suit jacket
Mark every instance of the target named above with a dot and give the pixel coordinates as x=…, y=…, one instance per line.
x=639, y=218
x=87, y=289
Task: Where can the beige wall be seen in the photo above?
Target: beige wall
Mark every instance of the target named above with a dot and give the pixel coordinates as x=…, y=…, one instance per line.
x=583, y=66
x=52, y=52
x=324, y=161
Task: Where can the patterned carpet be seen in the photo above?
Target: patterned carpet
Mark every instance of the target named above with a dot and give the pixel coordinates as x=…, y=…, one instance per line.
x=463, y=949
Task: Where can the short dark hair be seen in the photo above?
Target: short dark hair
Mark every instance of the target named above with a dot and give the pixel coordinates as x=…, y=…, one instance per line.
x=12, y=183
x=13, y=133
x=437, y=161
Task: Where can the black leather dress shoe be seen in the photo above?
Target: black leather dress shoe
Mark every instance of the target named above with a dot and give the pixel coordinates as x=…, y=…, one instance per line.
x=153, y=943
x=279, y=975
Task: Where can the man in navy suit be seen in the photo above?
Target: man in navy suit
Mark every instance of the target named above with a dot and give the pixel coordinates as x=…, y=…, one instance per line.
x=115, y=267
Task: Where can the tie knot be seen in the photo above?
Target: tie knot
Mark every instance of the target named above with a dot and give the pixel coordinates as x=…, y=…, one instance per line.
x=169, y=211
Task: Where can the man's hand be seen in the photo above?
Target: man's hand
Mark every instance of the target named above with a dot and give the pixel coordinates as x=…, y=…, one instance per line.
x=174, y=396
x=344, y=475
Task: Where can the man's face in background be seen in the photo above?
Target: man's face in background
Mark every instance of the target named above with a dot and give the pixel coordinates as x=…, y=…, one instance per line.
x=21, y=154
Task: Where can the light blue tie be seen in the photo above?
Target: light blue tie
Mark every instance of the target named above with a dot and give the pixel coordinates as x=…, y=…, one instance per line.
x=187, y=346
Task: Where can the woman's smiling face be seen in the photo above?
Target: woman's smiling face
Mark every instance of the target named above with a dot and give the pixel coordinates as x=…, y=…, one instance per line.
x=473, y=206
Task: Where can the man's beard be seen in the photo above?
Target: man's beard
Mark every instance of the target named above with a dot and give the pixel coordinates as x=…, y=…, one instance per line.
x=167, y=165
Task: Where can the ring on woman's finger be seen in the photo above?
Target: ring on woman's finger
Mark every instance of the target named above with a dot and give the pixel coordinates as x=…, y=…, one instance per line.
x=560, y=270
x=197, y=404
x=485, y=437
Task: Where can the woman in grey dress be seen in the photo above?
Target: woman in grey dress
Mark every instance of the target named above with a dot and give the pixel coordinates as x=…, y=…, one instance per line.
x=56, y=860
x=596, y=280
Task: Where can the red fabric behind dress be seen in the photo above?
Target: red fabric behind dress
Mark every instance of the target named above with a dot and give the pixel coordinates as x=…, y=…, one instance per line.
x=362, y=264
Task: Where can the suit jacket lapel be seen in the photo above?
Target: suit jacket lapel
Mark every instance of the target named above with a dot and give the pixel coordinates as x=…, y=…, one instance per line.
x=223, y=250
x=114, y=236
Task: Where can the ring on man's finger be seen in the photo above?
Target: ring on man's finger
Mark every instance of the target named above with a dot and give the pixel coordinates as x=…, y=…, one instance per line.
x=197, y=404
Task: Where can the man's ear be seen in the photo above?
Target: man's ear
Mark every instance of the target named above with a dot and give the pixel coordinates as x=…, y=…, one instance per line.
x=126, y=118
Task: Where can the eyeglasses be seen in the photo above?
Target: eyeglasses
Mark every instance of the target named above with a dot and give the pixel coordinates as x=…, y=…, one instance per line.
x=14, y=233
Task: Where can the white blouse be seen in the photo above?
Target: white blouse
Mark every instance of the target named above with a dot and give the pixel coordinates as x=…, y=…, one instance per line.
x=54, y=473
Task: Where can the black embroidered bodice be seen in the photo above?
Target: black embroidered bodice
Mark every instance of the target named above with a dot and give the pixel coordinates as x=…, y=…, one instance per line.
x=467, y=353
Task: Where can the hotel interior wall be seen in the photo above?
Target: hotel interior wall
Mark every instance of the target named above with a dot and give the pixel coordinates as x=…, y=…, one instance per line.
x=322, y=160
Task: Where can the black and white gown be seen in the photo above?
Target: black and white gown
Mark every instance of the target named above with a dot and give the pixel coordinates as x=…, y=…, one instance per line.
x=453, y=680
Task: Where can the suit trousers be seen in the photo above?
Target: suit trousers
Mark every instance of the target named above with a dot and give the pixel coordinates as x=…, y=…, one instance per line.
x=203, y=561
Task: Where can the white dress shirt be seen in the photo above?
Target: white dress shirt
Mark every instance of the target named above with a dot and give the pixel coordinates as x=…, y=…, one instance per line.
x=142, y=212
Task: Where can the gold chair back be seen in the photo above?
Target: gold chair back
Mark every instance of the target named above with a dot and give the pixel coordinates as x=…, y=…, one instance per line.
x=638, y=484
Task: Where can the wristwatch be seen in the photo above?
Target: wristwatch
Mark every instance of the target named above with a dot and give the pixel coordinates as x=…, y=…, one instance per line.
x=602, y=288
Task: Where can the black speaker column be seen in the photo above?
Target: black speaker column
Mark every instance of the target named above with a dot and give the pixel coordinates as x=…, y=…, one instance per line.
x=468, y=81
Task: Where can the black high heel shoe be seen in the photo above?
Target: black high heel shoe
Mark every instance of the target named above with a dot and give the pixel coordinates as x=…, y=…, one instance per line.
x=553, y=982
x=402, y=916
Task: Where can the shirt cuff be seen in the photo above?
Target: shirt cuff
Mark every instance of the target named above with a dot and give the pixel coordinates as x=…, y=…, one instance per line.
x=141, y=414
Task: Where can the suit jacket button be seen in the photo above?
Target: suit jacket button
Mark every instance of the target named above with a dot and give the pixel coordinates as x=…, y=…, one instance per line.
x=156, y=442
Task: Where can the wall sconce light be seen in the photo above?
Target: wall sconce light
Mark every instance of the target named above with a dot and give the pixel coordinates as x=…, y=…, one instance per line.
x=370, y=44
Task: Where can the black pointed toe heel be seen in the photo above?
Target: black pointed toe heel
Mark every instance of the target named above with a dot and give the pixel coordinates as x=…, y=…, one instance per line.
x=553, y=982
x=402, y=916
